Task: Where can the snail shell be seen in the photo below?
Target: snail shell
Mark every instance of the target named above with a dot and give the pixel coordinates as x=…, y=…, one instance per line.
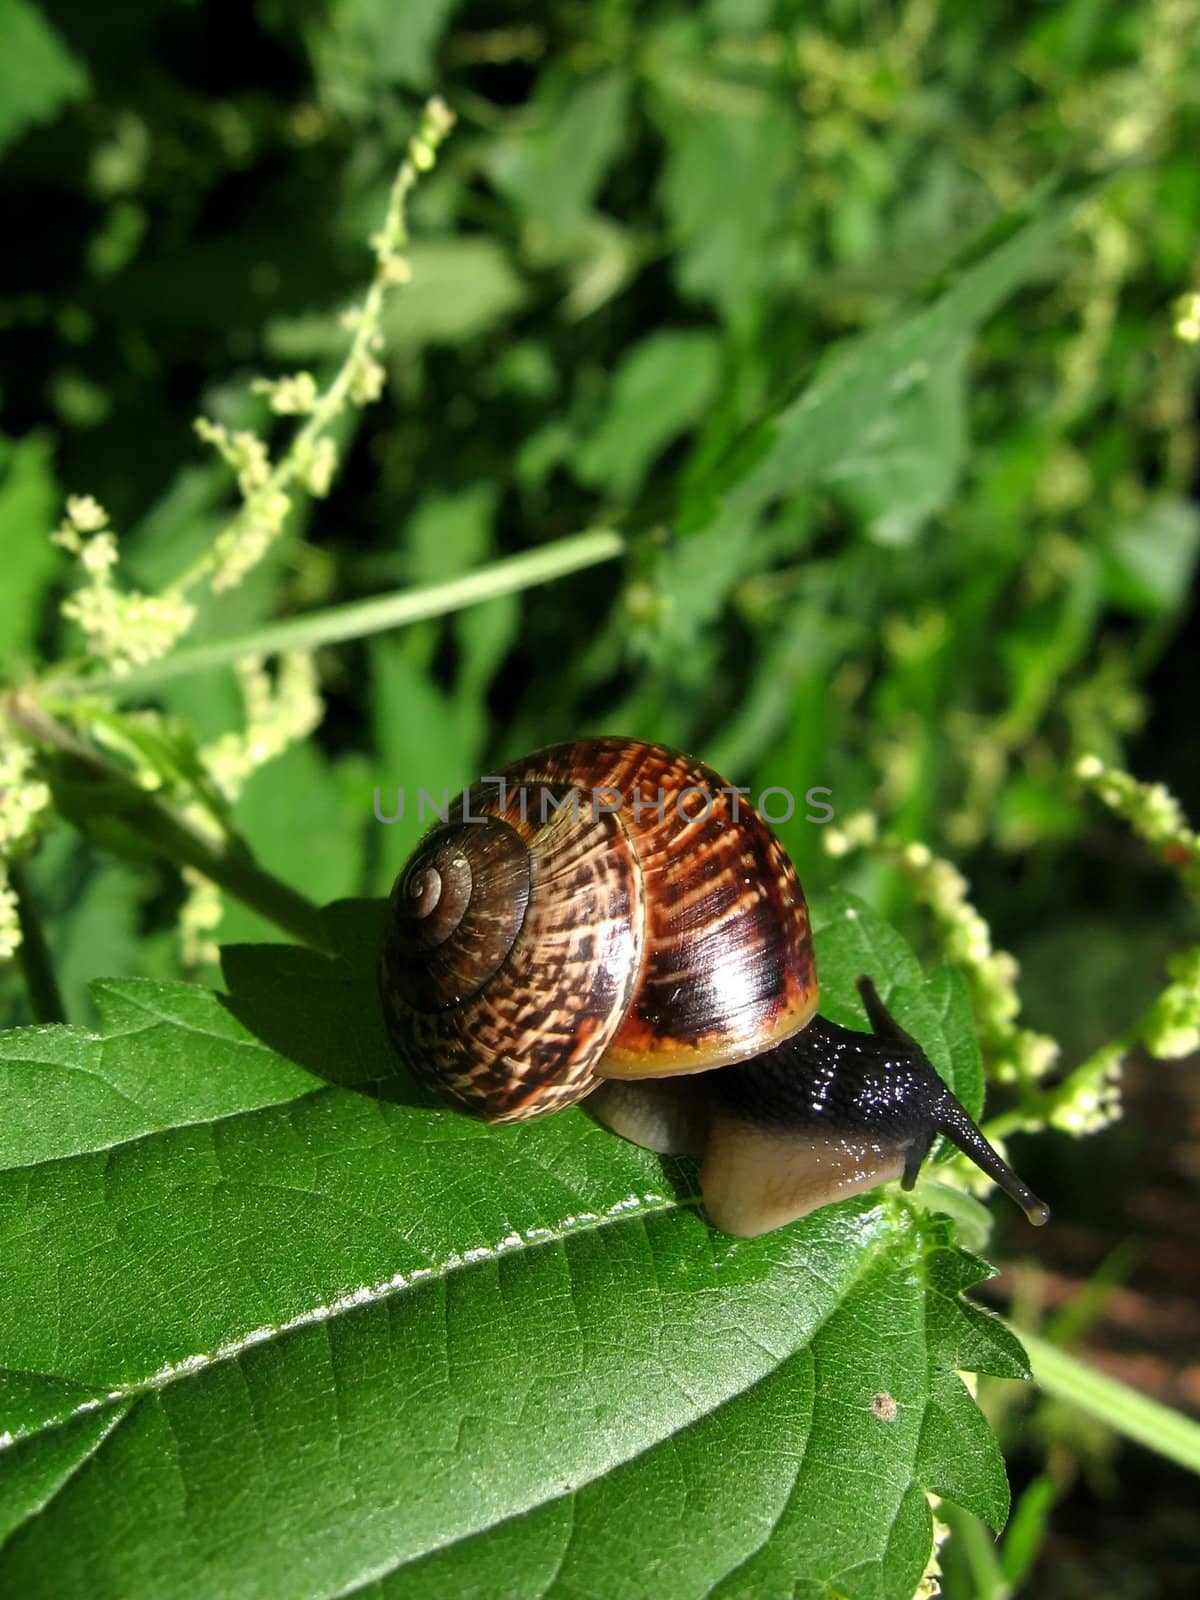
x=607, y=918
x=608, y=909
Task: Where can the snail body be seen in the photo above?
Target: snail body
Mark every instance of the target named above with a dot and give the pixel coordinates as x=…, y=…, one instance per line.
x=608, y=920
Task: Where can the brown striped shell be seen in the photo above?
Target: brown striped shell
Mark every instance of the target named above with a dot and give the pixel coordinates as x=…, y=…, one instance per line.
x=600, y=909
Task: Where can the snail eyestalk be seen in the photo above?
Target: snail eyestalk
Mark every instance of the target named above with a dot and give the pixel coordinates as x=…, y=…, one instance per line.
x=952, y=1121
x=950, y=1118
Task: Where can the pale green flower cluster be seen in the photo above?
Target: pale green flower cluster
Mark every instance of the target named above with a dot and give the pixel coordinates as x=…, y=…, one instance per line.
x=241, y=545
x=199, y=918
x=124, y=628
x=1173, y=1027
x=292, y=396
x=1187, y=318
x=23, y=797
x=277, y=714
x=10, y=921
x=23, y=800
x=860, y=831
x=311, y=459
x=1090, y=1099
x=1153, y=813
x=1013, y=1053
x=1127, y=112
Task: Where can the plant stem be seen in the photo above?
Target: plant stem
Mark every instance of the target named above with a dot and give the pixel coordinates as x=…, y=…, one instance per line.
x=45, y=997
x=978, y=1548
x=1131, y=1413
x=364, y=617
x=226, y=862
x=235, y=871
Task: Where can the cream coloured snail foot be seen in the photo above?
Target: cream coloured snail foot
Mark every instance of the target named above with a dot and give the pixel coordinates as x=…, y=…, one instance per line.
x=609, y=918
x=828, y=1113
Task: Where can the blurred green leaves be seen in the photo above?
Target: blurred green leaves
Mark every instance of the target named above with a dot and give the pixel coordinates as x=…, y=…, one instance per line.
x=873, y=377
x=890, y=433
x=661, y=389
x=38, y=73
x=551, y=172
x=398, y=44
x=900, y=450
x=730, y=177
x=905, y=467
x=1152, y=556
x=29, y=509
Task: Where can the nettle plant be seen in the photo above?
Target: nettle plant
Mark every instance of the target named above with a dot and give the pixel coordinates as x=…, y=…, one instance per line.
x=265, y=1307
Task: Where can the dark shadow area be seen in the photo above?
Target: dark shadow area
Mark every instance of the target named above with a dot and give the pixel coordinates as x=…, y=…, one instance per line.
x=322, y=1011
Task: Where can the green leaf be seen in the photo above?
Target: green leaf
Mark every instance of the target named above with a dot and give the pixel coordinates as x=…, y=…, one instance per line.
x=553, y=170
x=858, y=424
x=28, y=505
x=449, y=534
x=397, y=42
x=38, y=74
x=1152, y=556
x=1028, y=1528
x=66, y=1092
x=90, y=908
x=660, y=389
x=267, y=1309
x=947, y=991
x=452, y=534
x=1040, y=648
x=906, y=465
x=426, y=741
x=859, y=383
x=306, y=819
x=460, y=287
x=727, y=184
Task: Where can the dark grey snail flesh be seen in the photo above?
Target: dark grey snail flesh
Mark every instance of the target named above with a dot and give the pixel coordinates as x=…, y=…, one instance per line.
x=656, y=964
x=828, y=1113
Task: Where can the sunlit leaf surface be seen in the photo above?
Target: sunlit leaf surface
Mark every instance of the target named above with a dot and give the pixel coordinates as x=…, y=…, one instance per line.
x=272, y=1324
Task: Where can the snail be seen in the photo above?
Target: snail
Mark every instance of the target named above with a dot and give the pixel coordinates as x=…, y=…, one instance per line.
x=607, y=919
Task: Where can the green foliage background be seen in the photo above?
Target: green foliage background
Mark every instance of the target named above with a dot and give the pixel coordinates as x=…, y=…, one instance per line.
x=653, y=226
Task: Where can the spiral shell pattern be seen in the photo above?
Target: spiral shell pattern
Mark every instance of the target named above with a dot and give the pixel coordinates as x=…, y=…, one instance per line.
x=599, y=909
